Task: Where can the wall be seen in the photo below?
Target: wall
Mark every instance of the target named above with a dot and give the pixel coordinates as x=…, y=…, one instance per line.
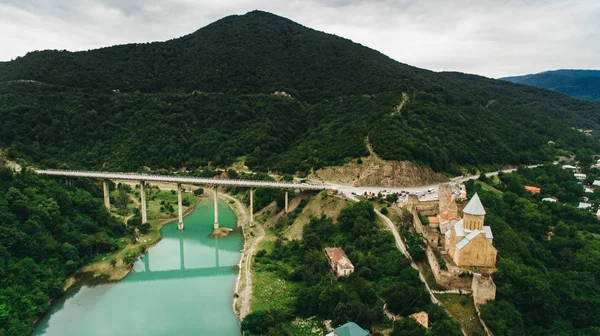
x=484, y=289
x=479, y=252
x=446, y=279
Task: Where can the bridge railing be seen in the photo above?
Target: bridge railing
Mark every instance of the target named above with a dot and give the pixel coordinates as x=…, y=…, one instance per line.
x=180, y=179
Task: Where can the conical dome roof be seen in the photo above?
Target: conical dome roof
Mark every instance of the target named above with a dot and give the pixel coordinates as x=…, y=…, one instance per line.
x=474, y=207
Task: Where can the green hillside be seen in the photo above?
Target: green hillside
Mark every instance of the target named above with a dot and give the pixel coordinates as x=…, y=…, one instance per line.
x=575, y=83
x=207, y=98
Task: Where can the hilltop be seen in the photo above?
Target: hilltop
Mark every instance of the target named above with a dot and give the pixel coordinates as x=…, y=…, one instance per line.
x=207, y=99
x=583, y=84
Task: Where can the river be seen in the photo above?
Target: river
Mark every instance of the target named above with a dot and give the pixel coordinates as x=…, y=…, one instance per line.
x=182, y=286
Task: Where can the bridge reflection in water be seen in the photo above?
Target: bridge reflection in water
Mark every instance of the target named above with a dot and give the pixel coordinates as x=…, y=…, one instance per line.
x=147, y=274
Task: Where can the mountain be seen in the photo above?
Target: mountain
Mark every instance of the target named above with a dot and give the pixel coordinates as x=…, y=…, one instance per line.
x=207, y=98
x=583, y=84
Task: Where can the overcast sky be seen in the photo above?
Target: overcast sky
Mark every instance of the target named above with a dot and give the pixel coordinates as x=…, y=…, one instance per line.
x=493, y=38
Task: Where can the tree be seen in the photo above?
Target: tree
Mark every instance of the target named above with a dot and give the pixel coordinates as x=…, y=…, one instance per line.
x=199, y=192
x=404, y=299
x=129, y=259
x=122, y=199
x=408, y=327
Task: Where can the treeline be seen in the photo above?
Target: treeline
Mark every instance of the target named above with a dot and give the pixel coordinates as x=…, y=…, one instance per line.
x=125, y=132
x=549, y=256
x=48, y=229
x=382, y=274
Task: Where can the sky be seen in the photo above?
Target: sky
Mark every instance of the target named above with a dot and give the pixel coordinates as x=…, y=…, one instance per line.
x=493, y=38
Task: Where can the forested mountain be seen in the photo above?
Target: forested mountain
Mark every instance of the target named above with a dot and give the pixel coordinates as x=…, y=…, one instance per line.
x=207, y=98
x=47, y=231
x=575, y=83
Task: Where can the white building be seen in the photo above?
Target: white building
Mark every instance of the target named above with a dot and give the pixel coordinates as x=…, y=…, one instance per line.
x=583, y=205
x=549, y=199
x=569, y=167
x=339, y=262
x=580, y=176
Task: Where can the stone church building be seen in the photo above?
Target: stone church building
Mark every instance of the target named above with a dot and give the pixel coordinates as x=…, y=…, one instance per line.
x=468, y=242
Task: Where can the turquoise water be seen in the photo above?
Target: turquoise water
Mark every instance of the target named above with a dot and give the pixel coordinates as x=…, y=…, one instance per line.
x=183, y=286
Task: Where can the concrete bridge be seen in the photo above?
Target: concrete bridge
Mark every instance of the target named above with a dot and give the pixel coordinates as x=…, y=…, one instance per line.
x=143, y=178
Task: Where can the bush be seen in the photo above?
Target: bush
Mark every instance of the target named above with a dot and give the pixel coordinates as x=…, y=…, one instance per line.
x=384, y=211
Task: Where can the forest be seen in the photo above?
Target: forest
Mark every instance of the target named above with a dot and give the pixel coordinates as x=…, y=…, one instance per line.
x=206, y=100
x=48, y=229
x=548, y=255
x=382, y=274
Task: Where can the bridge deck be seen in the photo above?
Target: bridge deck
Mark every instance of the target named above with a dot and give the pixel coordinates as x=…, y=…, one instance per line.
x=178, y=179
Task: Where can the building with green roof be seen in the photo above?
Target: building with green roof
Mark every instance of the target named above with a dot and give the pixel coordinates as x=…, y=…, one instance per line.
x=349, y=329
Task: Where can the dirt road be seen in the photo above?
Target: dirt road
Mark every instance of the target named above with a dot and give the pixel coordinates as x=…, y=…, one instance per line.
x=247, y=256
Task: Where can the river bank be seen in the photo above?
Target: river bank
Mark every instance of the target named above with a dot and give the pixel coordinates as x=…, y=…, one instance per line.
x=252, y=236
x=103, y=271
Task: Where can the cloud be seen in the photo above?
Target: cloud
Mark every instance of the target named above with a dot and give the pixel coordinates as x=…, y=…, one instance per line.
x=489, y=37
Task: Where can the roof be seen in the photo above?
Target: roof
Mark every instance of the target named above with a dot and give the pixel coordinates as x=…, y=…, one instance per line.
x=434, y=219
x=583, y=205
x=474, y=207
x=548, y=199
x=533, y=189
x=350, y=329
x=463, y=242
x=596, y=183
x=446, y=214
x=568, y=167
x=458, y=228
x=338, y=256
x=488, y=232
x=422, y=318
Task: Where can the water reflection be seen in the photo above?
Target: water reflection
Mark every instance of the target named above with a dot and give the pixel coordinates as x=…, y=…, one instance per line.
x=182, y=286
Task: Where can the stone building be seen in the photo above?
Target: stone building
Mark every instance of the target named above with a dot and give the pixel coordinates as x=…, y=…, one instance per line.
x=339, y=262
x=484, y=288
x=468, y=242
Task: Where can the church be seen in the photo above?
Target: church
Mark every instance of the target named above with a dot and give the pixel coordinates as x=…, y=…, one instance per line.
x=468, y=242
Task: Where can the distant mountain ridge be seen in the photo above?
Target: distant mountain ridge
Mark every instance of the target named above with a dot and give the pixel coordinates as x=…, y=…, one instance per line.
x=207, y=99
x=583, y=84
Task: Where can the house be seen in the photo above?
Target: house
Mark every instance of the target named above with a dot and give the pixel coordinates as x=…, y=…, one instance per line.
x=596, y=183
x=598, y=214
x=583, y=205
x=532, y=189
x=422, y=318
x=549, y=199
x=468, y=242
x=349, y=329
x=339, y=262
x=580, y=176
x=588, y=189
x=569, y=167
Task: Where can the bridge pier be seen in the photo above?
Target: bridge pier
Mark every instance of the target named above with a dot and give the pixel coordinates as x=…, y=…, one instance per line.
x=143, y=201
x=286, y=201
x=216, y=198
x=106, y=194
x=251, y=207
x=179, y=207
